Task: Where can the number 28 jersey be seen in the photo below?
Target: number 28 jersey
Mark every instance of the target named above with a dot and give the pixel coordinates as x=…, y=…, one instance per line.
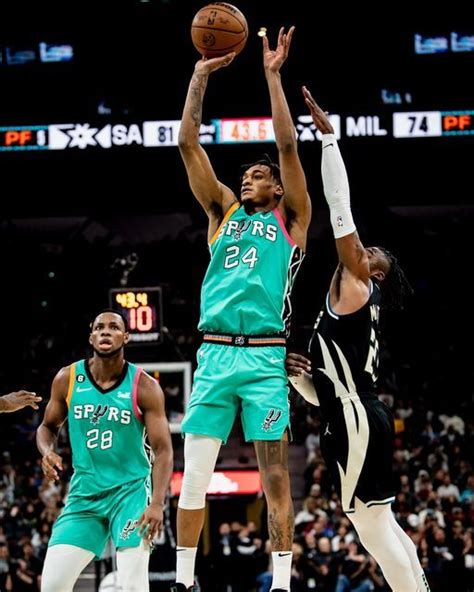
x=247, y=286
x=106, y=431
x=344, y=351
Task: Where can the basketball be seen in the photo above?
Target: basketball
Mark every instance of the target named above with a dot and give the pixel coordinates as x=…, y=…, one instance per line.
x=219, y=28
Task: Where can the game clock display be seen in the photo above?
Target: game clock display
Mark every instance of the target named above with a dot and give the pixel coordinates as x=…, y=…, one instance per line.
x=142, y=307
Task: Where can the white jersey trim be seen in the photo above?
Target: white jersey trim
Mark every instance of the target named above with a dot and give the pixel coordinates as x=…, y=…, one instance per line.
x=329, y=309
x=383, y=502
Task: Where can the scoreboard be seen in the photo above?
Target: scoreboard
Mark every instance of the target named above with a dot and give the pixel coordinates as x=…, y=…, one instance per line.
x=142, y=307
x=249, y=129
x=423, y=124
x=33, y=137
x=243, y=130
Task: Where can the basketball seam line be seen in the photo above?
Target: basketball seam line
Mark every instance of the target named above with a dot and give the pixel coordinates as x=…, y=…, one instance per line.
x=219, y=30
x=228, y=47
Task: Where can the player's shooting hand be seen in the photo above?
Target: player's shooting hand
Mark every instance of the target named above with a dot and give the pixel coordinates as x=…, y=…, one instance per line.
x=50, y=463
x=274, y=59
x=208, y=65
x=150, y=523
x=320, y=117
x=18, y=400
x=297, y=364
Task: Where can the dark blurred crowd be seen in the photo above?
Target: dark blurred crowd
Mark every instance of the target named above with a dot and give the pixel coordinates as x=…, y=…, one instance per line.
x=433, y=474
x=434, y=478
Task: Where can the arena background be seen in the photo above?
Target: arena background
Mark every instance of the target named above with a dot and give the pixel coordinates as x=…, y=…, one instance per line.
x=99, y=212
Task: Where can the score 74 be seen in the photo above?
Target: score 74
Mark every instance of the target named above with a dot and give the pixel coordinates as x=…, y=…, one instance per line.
x=416, y=124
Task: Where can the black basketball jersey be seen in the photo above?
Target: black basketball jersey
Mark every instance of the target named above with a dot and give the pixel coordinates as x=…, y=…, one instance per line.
x=344, y=351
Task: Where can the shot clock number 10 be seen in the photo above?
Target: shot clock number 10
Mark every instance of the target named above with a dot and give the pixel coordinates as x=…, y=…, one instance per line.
x=142, y=307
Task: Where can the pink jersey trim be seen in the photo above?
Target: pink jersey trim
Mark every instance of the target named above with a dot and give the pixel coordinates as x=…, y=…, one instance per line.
x=136, y=408
x=276, y=211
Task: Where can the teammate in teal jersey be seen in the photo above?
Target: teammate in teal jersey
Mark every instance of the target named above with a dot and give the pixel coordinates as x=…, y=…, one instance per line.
x=109, y=404
x=256, y=243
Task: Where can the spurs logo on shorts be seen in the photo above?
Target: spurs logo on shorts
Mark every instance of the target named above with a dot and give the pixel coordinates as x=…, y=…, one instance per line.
x=99, y=412
x=272, y=417
x=127, y=530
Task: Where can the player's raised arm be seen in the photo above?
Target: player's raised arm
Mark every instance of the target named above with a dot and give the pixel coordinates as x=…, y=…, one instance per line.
x=350, y=250
x=214, y=197
x=296, y=201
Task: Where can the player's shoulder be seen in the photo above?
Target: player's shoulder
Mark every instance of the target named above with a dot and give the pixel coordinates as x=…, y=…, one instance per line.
x=149, y=392
x=62, y=379
x=147, y=382
x=69, y=370
x=64, y=372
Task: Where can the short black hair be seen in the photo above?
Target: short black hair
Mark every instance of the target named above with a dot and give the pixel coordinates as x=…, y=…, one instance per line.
x=112, y=310
x=395, y=288
x=266, y=161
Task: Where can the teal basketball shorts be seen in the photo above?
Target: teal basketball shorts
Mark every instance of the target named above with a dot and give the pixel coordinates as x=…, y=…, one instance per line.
x=89, y=521
x=229, y=380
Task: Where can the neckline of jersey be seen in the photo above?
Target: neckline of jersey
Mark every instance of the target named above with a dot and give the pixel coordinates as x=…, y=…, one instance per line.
x=121, y=378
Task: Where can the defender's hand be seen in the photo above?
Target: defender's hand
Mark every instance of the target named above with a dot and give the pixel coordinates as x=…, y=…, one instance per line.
x=320, y=117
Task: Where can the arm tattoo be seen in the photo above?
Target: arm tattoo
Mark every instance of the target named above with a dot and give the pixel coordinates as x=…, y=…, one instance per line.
x=198, y=86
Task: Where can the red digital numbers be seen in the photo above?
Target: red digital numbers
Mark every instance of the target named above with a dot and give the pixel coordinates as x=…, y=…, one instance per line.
x=141, y=318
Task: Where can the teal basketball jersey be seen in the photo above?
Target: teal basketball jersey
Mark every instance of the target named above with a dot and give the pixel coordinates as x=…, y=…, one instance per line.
x=247, y=286
x=106, y=431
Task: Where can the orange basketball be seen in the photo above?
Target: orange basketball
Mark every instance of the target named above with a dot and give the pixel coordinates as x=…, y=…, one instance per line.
x=219, y=28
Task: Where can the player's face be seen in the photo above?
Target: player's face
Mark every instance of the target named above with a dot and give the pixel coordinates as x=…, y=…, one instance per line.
x=379, y=264
x=259, y=188
x=108, y=335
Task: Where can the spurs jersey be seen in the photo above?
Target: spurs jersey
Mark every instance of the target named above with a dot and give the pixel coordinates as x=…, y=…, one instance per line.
x=247, y=287
x=106, y=430
x=344, y=351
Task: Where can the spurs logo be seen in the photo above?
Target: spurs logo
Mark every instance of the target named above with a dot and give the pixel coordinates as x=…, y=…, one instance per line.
x=127, y=530
x=241, y=228
x=99, y=412
x=272, y=417
x=327, y=432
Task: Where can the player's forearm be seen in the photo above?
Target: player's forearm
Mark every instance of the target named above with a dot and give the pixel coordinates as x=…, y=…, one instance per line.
x=284, y=129
x=3, y=405
x=46, y=439
x=192, y=112
x=336, y=187
x=161, y=475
